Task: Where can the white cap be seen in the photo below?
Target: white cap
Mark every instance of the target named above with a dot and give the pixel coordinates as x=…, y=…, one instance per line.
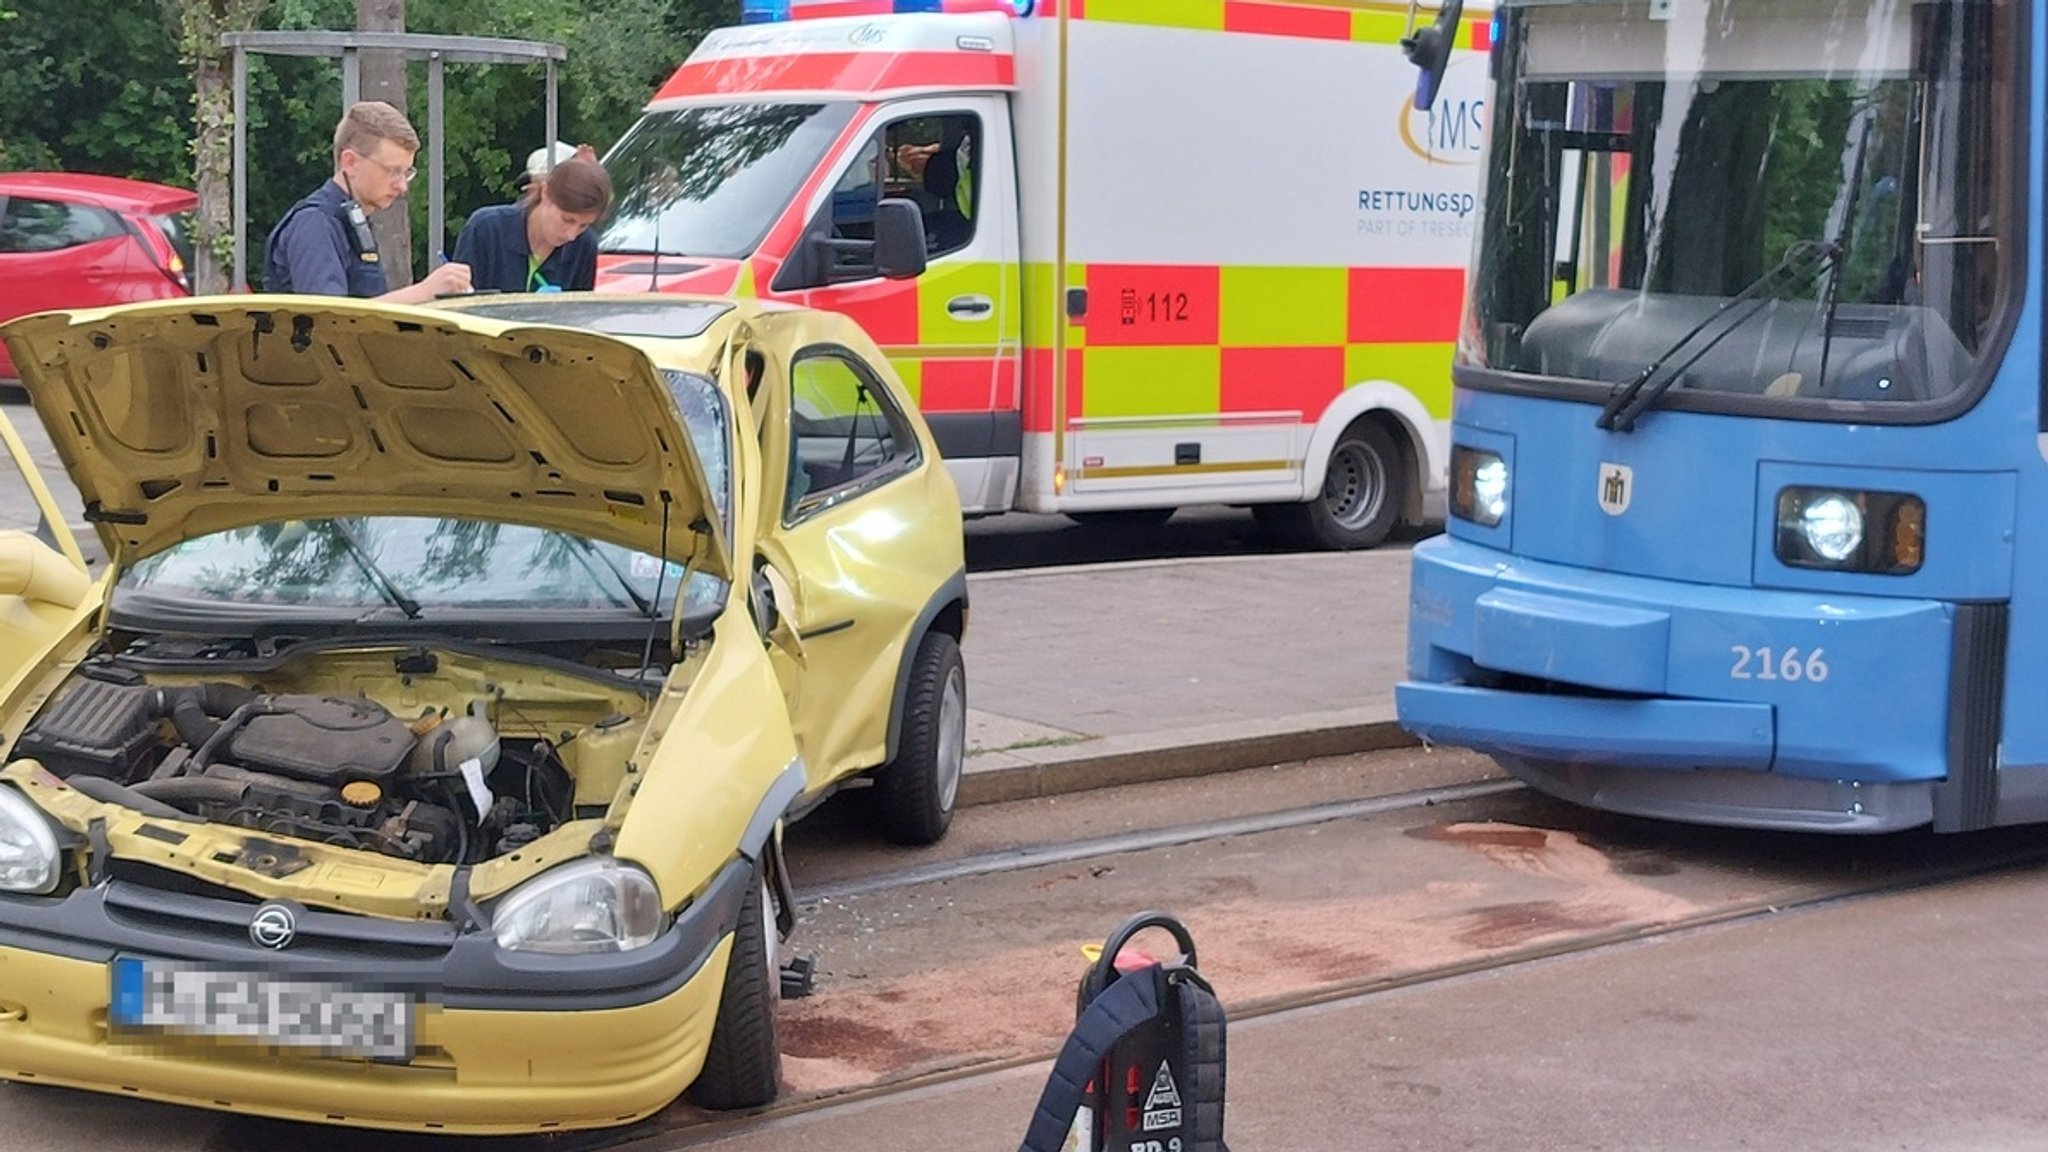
x=538, y=161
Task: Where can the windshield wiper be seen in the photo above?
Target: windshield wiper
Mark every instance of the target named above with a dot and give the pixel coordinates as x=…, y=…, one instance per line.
x=640, y=602
x=400, y=600
x=1842, y=236
x=1802, y=260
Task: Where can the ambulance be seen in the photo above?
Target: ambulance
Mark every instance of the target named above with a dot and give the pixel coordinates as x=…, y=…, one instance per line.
x=1129, y=255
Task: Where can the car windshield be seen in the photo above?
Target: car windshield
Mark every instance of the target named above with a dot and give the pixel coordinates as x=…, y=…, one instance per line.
x=424, y=565
x=1802, y=200
x=420, y=564
x=711, y=180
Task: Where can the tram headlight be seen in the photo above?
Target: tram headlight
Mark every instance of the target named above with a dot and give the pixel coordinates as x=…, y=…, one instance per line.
x=1852, y=531
x=1479, y=485
x=1832, y=527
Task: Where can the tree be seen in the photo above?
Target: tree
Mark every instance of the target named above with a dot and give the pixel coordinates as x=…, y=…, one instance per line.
x=94, y=87
x=383, y=78
x=201, y=24
x=144, y=90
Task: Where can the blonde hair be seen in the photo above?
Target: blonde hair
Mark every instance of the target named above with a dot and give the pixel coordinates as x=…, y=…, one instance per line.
x=368, y=122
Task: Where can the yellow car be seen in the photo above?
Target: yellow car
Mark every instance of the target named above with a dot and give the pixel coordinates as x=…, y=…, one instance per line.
x=419, y=759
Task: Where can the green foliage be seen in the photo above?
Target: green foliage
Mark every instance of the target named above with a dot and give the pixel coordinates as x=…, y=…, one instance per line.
x=111, y=71
x=93, y=87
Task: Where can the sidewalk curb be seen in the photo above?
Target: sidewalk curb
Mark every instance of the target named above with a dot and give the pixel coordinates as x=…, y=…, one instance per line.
x=996, y=776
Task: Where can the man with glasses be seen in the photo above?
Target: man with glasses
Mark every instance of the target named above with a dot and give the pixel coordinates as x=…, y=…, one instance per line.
x=323, y=245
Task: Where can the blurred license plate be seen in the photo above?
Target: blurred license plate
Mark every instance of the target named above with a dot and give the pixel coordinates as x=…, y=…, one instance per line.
x=319, y=1017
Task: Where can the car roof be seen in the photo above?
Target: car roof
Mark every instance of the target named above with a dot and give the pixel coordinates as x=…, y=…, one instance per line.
x=655, y=319
x=114, y=193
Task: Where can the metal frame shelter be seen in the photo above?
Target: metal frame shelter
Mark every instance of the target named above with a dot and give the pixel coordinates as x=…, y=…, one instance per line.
x=437, y=51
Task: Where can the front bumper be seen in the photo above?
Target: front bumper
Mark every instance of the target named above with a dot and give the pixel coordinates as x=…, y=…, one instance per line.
x=1689, y=701
x=504, y=1043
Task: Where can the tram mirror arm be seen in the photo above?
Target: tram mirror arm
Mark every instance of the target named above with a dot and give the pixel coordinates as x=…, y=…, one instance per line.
x=1429, y=49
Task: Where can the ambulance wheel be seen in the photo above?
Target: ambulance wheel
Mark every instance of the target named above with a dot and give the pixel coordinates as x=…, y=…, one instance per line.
x=918, y=789
x=1360, y=501
x=743, y=1062
x=1122, y=517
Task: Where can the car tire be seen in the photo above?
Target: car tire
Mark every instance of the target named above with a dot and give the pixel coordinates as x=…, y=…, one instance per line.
x=1363, y=490
x=743, y=1062
x=1122, y=517
x=919, y=788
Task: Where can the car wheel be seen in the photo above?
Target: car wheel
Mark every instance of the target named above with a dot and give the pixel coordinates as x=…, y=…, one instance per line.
x=1361, y=497
x=918, y=788
x=1122, y=517
x=743, y=1063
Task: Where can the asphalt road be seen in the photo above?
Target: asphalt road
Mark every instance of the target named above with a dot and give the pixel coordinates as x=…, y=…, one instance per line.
x=1480, y=973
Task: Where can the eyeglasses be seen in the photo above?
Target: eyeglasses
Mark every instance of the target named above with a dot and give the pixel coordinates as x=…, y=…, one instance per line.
x=402, y=175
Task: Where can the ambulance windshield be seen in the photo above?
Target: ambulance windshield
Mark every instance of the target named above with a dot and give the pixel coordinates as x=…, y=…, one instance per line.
x=711, y=180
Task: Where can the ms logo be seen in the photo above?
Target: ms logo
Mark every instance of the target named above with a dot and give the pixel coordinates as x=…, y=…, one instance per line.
x=868, y=35
x=1454, y=130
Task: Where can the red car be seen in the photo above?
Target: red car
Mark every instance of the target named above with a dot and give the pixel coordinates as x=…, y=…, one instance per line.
x=71, y=240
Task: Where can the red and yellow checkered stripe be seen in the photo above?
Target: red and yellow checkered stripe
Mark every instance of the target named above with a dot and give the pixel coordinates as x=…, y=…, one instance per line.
x=1168, y=340
x=1362, y=21
x=1243, y=339
x=949, y=364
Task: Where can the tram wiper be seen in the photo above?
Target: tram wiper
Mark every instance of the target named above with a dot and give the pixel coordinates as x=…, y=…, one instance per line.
x=1802, y=260
x=1841, y=242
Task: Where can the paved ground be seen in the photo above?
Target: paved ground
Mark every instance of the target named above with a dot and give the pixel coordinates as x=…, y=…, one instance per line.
x=1113, y=673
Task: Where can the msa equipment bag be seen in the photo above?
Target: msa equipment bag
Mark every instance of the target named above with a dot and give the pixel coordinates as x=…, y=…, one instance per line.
x=1142, y=1070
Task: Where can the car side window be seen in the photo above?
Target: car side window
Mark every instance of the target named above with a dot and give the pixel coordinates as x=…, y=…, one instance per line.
x=31, y=225
x=931, y=161
x=935, y=162
x=847, y=434
x=853, y=208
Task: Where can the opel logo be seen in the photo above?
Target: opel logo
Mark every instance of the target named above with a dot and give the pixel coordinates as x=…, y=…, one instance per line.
x=274, y=926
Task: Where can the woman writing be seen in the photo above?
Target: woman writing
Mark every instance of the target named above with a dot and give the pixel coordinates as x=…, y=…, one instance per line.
x=541, y=242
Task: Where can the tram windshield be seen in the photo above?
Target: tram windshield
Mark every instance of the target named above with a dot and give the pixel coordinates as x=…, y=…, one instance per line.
x=1792, y=202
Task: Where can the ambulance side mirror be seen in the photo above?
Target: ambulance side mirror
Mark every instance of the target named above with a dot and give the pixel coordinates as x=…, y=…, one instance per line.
x=897, y=251
x=899, y=240
x=1429, y=49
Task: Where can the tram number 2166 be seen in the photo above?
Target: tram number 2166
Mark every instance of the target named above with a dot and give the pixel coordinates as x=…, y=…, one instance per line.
x=1772, y=664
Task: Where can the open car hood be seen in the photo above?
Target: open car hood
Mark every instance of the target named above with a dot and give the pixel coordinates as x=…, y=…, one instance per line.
x=189, y=417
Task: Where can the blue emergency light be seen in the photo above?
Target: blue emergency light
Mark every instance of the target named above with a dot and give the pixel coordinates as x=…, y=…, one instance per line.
x=776, y=11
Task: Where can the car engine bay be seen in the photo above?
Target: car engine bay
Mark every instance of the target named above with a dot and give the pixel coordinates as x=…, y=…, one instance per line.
x=445, y=786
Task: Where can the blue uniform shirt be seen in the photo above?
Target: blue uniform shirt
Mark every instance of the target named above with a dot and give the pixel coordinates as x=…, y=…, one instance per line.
x=311, y=252
x=494, y=246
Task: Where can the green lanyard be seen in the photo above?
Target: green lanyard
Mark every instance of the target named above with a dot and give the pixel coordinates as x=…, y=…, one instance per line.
x=534, y=281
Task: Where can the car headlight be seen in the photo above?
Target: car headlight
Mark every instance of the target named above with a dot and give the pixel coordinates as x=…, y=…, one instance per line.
x=597, y=905
x=1479, y=485
x=28, y=846
x=1852, y=531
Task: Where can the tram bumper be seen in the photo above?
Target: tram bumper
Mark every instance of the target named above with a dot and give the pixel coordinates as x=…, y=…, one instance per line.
x=1694, y=702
